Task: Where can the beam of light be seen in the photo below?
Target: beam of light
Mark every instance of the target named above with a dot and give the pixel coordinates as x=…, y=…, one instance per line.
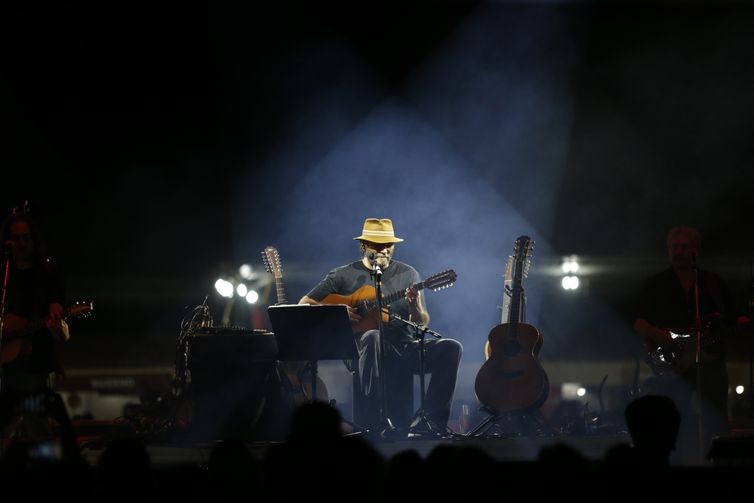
x=570, y=265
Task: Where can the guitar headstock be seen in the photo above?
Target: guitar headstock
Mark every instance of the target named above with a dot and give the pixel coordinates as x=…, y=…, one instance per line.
x=441, y=280
x=272, y=264
x=81, y=310
x=523, y=251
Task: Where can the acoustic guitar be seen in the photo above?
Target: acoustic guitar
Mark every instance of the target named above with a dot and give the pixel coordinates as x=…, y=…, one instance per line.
x=17, y=330
x=299, y=379
x=365, y=299
x=512, y=379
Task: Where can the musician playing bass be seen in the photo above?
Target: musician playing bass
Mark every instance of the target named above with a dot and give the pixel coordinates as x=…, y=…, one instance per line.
x=666, y=322
x=442, y=357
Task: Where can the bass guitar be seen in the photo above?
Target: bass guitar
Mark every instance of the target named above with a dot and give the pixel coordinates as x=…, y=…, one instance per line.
x=365, y=299
x=299, y=380
x=512, y=379
x=17, y=330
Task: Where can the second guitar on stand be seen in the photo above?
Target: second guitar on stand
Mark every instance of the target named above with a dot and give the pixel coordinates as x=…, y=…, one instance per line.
x=513, y=379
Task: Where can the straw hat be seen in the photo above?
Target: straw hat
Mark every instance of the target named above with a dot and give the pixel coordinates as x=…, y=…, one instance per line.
x=378, y=230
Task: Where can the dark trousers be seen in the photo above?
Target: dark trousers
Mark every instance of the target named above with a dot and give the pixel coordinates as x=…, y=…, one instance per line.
x=441, y=359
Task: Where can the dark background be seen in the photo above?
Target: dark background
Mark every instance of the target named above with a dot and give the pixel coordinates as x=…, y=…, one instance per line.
x=162, y=146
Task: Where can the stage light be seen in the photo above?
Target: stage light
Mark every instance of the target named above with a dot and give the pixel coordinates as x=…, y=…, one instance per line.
x=570, y=282
x=739, y=390
x=246, y=271
x=242, y=290
x=252, y=297
x=581, y=391
x=570, y=390
x=570, y=264
x=224, y=288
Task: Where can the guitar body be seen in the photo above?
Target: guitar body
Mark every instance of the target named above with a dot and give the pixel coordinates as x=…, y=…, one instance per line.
x=301, y=389
x=15, y=341
x=365, y=299
x=678, y=356
x=361, y=300
x=18, y=331
x=512, y=379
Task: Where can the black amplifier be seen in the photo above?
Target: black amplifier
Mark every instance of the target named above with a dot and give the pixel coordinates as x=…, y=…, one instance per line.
x=233, y=345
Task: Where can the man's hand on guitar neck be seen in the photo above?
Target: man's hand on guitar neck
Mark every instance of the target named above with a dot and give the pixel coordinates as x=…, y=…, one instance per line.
x=416, y=313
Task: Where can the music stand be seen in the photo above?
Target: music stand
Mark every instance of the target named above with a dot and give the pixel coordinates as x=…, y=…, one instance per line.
x=313, y=333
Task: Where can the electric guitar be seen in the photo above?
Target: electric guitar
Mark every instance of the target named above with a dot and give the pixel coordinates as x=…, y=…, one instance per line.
x=512, y=379
x=299, y=380
x=17, y=330
x=679, y=354
x=365, y=299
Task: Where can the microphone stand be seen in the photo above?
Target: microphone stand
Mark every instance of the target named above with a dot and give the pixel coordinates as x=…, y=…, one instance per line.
x=387, y=428
x=2, y=315
x=698, y=360
x=420, y=418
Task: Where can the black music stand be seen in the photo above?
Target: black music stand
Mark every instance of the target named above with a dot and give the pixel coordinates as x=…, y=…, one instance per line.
x=313, y=333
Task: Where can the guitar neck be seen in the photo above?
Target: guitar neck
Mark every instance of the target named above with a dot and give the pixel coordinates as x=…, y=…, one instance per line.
x=280, y=291
x=389, y=299
x=505, y=308
x=515, y=307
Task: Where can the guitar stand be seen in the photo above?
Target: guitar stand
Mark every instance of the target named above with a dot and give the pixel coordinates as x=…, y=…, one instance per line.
x=509, y=424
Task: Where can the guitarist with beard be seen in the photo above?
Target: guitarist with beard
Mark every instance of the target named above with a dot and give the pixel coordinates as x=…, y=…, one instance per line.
x=442, y=356
x=34, y=292
x=666, y=318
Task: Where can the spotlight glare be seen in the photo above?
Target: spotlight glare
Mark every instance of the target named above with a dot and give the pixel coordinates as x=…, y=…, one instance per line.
x=739, y=390
x=570, y=282
x=581, y=391
x=224, y=288
x=570, y=265
x=245, y=271
x=242, y=290
x=252, y=297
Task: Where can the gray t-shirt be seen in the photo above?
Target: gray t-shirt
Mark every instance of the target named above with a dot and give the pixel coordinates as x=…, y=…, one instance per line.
x=345, y=280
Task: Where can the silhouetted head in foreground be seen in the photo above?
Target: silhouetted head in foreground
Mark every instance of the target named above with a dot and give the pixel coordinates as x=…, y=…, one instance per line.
x=653, y=422
x=315, y=421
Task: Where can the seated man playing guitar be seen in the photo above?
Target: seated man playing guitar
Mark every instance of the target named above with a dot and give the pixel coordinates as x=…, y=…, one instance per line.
x=666, y=322
x=351, y=285
x=34, y=299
